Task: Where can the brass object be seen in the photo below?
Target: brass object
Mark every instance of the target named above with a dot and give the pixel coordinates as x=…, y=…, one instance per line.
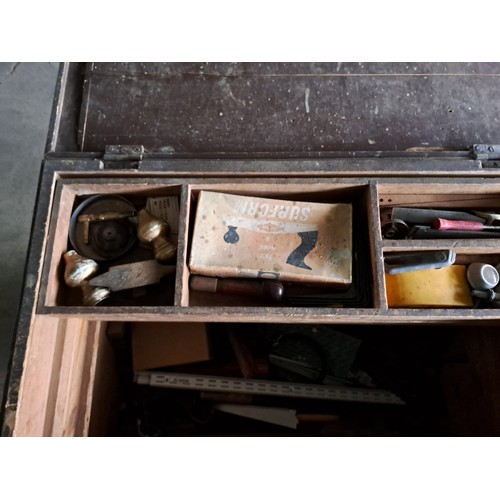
x=77, y=272
x=78, y=269
x=86, y=219
x=92, y=295
x=153, y=232
x=101, y=227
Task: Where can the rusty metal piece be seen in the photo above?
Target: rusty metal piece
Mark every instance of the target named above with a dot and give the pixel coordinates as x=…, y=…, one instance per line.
x=153, y=231
x=134, y=275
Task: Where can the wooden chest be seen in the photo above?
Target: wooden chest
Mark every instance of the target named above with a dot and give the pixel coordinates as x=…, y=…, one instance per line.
x=392, y=136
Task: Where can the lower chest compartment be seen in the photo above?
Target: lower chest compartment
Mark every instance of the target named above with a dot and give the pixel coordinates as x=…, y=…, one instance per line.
x=230, y=379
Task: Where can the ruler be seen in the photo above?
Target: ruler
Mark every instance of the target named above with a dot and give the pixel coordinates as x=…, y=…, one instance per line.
x=265, y=387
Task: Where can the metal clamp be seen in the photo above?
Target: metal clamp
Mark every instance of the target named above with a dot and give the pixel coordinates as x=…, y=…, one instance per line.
x=123, y=153
x=485, y=151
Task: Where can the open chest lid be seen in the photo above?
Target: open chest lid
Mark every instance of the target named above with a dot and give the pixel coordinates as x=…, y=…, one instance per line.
x=269, y=110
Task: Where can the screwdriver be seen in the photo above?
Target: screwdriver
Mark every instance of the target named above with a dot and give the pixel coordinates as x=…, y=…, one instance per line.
x=461, y=225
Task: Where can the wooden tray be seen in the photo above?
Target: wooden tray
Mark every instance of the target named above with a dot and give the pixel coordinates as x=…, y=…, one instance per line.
x=136, y=143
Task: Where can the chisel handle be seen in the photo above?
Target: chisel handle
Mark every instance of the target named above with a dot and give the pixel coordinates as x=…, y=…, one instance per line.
x=271, y=290
x=457, y=225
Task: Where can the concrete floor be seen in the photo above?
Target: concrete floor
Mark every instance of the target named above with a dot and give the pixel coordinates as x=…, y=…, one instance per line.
x=26, y=95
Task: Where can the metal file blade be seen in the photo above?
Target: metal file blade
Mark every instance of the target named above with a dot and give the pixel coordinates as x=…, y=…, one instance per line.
x=136, y=274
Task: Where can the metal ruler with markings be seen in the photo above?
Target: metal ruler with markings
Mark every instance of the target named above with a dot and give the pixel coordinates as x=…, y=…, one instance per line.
x=265, y=387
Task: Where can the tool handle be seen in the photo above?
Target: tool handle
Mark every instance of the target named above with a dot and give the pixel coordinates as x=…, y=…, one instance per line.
x=271, y=290
x=457, y=225
x=407, y=262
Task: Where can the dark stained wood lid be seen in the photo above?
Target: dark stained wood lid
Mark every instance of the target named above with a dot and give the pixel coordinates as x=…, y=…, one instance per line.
x=289, y=107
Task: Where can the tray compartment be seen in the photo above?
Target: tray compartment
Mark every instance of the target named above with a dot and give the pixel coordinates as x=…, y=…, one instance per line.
x=67, y=198
x=440, y=195
x=183, y=305
x=464, y=258
x=357, y=195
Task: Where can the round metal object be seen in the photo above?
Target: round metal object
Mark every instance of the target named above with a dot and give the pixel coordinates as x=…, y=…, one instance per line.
x=395, y=229
x=106, y=239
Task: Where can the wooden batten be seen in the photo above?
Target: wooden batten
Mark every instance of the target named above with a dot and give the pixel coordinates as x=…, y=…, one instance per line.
x=182, y=273
x=58, y=379
x=57, y=246
x=377, y=258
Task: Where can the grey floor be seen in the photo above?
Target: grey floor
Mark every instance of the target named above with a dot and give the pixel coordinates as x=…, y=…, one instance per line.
x=26, y=95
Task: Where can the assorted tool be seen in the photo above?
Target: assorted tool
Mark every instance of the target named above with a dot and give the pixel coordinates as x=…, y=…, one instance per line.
x=153, y=232
x=78, y=270
x=461, y=225
x=482, y=276
x=199, y=382
x=395, y=229
x=430, y=279
x=261, y=289
x=418, y=261
x=104, y=229
x=101, y=227
x=106, y=216
x=426, y=232
x=489, y=295
x=420, y=279
x=424, y=223
x=425, y=216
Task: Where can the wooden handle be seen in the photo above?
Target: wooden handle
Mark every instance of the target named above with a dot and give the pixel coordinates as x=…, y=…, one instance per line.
x=264, y=289
x=458, y=225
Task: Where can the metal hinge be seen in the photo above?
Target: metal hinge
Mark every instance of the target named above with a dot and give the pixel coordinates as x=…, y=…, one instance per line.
x=486, y=151
x=123, y=153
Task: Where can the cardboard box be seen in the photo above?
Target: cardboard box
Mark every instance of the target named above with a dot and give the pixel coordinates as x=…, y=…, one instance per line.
x=241, y=236
x=156, y=345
